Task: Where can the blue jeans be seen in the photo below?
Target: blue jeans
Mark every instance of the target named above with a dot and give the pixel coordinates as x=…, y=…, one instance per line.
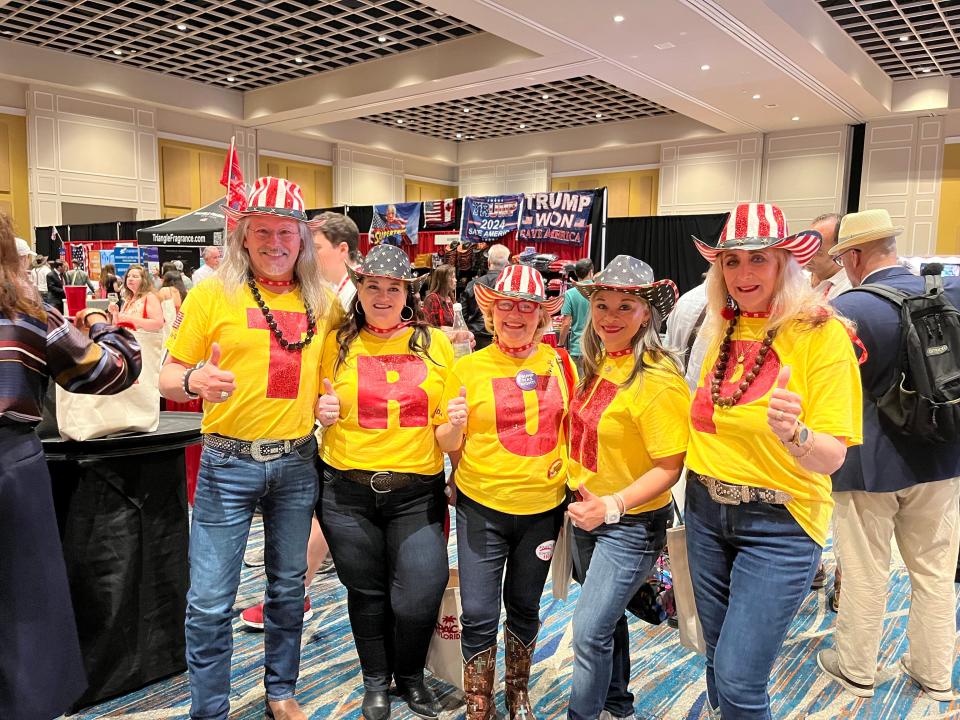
x=391, y=554
x=228, y=489
x=611, y=562
x=751, y=566
x=495, y=551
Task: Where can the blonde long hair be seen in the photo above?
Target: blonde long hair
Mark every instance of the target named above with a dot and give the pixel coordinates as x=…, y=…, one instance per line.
x=793, y=298
x=235, y=266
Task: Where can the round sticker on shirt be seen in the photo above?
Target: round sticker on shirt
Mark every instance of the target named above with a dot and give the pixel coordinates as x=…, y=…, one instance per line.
x=545, y=550
x=526, y=380
x=554, y=469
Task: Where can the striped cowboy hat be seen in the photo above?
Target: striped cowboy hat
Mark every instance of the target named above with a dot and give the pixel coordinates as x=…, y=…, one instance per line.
x=389, y=263
x=517, y=282
x=626, y=274
x=274, y=197
x=761, y=226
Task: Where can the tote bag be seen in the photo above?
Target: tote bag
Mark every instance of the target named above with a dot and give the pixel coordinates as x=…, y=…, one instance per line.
x=136, y=409
x=561, y=565
x=691, y=633
x=444, y=659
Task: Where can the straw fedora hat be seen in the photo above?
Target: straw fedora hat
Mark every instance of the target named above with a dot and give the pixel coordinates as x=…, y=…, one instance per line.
x=860, y=228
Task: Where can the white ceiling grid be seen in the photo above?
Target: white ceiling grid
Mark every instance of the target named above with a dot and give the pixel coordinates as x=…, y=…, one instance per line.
x=908, y=39
x=256, y=42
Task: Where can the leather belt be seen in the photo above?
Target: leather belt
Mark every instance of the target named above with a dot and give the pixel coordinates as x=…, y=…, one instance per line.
x=732, y=494
x=259, y=450
x=381, y=481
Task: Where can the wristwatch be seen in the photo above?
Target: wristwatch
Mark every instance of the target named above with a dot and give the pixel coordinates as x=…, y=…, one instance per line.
x=800, y=435
x=612, y=515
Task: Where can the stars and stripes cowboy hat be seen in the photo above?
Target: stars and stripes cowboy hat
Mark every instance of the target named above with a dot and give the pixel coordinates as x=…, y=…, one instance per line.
x=390, y=263
x=627, y=274
x=761, y=226
x=517, y=282
x=274, y=197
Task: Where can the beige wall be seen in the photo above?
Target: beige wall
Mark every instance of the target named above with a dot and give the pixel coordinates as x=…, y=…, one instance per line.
x=13, y=94
x=14, y=183
x=366, y=178
x=609, y=160
x=315, y=180
x=629, y=194
x=902, y=168
x=529, y=176
x=89, y=151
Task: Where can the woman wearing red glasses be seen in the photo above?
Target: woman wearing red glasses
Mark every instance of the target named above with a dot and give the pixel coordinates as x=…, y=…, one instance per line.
x=503, y=409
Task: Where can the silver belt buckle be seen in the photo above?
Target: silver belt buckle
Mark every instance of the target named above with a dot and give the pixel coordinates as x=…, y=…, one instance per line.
x=376, y=476
x=718, y=491
x=267, y=450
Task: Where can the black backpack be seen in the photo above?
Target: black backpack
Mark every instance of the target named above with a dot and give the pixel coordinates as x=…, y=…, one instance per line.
x=924, y=400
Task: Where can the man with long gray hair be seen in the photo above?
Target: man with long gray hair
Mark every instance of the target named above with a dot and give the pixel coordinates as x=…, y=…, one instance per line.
x=248, y=341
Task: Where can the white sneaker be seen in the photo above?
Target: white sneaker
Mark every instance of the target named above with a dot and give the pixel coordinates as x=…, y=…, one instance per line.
x=941, y=695
x=253, y=557
x=605, y=715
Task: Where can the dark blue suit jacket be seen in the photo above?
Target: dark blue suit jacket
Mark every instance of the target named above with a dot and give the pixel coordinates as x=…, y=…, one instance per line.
x=887, y=462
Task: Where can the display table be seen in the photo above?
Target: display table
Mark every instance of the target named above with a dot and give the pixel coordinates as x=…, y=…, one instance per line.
x=122, y=511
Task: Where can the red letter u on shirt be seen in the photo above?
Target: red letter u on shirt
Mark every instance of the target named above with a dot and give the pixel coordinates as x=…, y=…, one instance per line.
x=512, y=416
x=585, y=419
x=375, y=390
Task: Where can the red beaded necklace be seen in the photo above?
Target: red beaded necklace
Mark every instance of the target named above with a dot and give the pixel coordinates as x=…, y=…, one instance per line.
x=276, y=283
x=385, y=331
x=620, y=353
x=515, y=350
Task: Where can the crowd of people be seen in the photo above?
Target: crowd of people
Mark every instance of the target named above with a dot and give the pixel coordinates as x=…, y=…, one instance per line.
x=331, y=396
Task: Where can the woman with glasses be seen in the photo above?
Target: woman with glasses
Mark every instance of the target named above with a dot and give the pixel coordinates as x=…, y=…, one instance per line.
x=777, y=405
x=503, y=410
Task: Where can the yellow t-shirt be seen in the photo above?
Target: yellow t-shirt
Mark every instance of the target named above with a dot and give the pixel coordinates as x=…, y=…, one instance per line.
x=617, y=433
x=514, y=453
x=388, y=396
x=276, y=389
x=736, y=444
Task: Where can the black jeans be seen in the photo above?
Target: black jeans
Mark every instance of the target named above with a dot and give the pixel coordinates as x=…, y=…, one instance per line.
x=488, y=540
x=391, y=554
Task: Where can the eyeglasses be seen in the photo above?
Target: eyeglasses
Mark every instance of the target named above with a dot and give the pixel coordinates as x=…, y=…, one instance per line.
x=839, y=258
x=524, y=306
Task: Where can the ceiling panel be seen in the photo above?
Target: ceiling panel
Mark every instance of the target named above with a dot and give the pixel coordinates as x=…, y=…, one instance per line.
x=906, y=38
x=241, y=44
x=557, y=105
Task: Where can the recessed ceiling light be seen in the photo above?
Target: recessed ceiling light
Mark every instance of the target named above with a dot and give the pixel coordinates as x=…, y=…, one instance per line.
x=466, y=110
x=618, y=18
x=439, y=13
x=522, y=126
x=598, y=116
x=469, y=137
x=382, y=39
x=298, y=60
x=399, y=121
x=904, y=38
x=704, y=67
x=756, y=96
x=545, y=97
x=181, y=27
x=660, y=46
x=795, y=118
x=118, y=51
x=926, y=70
x=231, y=78
x=770, y=106
x=459, y=135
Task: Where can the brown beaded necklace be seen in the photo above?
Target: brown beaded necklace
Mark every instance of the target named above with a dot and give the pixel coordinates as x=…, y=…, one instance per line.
x=720, y=368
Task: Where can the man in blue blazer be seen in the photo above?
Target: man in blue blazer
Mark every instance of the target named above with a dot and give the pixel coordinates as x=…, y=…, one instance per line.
x=891, y=485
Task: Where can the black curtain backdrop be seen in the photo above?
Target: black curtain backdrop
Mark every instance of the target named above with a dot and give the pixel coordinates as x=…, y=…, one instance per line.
x=663, y=242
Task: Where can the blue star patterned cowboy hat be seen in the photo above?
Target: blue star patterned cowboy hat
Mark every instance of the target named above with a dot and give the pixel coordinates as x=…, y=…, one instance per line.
x=628, y=275
x=389, y=263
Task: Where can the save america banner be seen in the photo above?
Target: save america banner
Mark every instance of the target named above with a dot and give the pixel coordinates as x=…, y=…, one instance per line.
x=561, y=217
x=489, y=218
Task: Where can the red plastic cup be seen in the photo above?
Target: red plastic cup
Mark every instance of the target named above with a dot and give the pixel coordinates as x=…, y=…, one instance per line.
x=76, y=298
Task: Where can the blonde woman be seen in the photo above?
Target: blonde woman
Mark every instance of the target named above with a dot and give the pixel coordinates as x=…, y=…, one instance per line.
x=628, y=438
x=141, y=306
x=777, y=405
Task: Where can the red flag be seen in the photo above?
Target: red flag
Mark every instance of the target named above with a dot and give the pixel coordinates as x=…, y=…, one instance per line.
x=232, y=179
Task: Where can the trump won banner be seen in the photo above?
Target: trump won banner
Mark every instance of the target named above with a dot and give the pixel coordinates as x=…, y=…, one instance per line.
x=489, y=218
x=561, y=217
x=395, y=224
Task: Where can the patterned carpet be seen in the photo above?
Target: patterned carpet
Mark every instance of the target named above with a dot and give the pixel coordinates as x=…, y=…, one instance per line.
x=667, y=680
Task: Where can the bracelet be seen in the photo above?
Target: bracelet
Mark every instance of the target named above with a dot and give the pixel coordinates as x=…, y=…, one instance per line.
x=620, y=503
x=186, y=381
x=813, y=440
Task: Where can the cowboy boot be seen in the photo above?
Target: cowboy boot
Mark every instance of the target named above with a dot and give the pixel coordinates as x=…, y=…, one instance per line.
x=478, y=684
x=518, y=659
x=287, y=709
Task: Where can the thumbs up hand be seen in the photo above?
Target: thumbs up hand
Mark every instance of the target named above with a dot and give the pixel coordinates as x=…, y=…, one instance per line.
x=784, y=408
x=457, y=410
x=327, y=410
x=211, y=382
x=589, y=512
